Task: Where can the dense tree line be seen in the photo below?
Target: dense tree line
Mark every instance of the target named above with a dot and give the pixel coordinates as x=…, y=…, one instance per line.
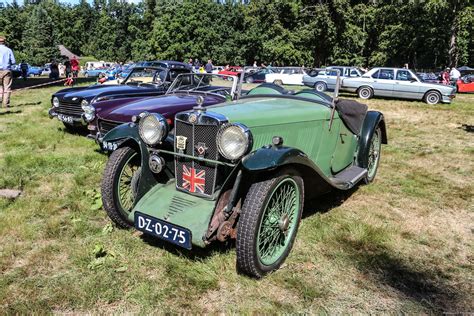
x=424, y=34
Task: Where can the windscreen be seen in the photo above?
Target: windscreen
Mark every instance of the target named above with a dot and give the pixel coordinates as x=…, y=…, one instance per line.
x=210, y=83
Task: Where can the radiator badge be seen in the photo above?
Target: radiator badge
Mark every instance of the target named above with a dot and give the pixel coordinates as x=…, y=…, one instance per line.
x=192, y=118
x=194, y=180
x=201, y=149
x=181, y=142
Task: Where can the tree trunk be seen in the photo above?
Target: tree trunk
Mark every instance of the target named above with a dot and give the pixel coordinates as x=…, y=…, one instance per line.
x=453, y=49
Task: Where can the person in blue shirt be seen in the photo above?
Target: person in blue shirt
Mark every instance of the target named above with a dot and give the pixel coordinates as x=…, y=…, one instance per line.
x=6, y=61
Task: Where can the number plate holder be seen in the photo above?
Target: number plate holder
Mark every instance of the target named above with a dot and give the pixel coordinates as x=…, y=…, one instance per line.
x=174, y=234
x=65, y=118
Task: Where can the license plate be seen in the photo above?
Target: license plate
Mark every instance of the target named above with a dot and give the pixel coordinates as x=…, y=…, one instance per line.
x=65, y=118
x=164, y=230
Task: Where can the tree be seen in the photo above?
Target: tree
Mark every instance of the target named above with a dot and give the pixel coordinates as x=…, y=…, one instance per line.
x=38, y=42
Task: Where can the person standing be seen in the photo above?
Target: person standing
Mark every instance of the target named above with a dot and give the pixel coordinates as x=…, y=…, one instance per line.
x=209, y=66
x=7, y=59
x=67, y=65
x=454, y=74
x=445, y=77
x=24, y=70
x=74, y=66
x=54, y=70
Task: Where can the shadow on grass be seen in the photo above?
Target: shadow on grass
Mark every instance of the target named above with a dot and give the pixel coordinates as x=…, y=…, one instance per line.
x=426, y=286
x=194, y=254
x=10, y=112
x=74, y=130
x=326, y=202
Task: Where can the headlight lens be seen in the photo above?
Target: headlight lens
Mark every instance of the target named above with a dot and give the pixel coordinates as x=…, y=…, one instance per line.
x=234, y=141
x=152, y=128
x=89, y=112
x=55, y=102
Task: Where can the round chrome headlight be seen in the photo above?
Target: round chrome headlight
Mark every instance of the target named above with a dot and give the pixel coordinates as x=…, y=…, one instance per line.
x=152, y=128
x=55, y=102
x=89, y=112
x=234, y=141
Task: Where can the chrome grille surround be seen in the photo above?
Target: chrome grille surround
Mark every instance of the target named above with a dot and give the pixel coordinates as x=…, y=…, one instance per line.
x=200, y=129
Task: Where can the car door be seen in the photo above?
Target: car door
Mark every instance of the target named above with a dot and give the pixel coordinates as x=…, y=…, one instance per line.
x=406, y=85
x=383, y=82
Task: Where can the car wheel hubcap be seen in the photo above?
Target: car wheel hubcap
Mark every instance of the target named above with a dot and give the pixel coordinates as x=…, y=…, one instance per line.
x=433, y=98
x=128, y=184
x=278, y=222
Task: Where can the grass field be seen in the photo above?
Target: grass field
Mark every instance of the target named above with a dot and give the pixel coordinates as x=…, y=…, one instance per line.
x=403, y=244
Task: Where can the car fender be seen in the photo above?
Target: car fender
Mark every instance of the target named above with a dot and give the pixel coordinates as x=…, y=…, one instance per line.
x=270, y=158
x=371, y=121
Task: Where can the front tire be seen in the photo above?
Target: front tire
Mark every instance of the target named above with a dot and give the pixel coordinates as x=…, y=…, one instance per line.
x=268, y=224
x=120, y=184
x=365, y=93
x=432, y=97
x=320, y=86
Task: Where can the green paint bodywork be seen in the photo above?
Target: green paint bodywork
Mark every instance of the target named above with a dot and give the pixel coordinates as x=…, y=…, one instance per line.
x=303, y=125
x=163, y=201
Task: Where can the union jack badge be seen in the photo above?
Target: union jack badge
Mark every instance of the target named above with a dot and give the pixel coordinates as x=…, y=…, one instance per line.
x=194, y=180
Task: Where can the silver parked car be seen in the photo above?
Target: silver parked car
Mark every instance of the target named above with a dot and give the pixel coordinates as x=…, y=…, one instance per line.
x=326, y=79
x=397, y=83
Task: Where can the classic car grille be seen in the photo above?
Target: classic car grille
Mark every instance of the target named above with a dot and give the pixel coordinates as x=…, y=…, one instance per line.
x=69, y=108
x=106, y=126
x=203, y=135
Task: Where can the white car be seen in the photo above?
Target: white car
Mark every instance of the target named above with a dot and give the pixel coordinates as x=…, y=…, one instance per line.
x=397, y=83
x=289, y=76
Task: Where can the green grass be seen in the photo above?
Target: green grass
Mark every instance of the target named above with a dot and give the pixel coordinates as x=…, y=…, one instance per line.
x=402, y=244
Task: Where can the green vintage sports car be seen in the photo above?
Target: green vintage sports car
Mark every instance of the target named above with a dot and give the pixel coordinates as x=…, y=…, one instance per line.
x=241, y=170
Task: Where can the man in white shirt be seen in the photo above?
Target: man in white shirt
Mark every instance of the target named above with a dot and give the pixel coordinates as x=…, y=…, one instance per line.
x=6, y=61
x=454, y=74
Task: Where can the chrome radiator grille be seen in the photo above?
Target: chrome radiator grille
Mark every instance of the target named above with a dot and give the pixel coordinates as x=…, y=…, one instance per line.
x=194, y=176
x=69, y=108
x=106, y=126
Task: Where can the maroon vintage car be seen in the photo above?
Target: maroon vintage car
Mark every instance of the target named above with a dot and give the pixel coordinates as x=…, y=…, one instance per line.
x=182, y=95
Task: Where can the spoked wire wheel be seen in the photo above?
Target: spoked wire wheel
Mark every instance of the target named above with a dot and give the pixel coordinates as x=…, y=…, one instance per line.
x=278, y=222
x=120, y=184
x=268, y=223
x=374, y=155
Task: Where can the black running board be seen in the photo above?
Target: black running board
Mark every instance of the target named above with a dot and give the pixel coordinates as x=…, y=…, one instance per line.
x=348, y=177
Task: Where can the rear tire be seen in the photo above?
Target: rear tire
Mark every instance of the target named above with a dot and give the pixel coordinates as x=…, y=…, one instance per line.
x=365, y=93
x=373, y=155
x=268, y=224
x=120, y=184
x=250, y=80
x=432, y=97
x=320, y=86
x=278, y=82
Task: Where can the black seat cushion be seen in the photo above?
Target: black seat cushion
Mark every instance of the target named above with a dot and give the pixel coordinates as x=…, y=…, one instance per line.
x=352, y=113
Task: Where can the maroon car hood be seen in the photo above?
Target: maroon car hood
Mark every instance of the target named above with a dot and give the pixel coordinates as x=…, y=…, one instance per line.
x=167, y=105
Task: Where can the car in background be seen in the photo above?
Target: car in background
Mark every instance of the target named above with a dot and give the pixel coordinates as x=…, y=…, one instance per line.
x=231, y=71
x=397, y=83
x=288, y=76
x=241, y=170
x=72, y=105
x=465, y=84
x=16, y=72
x=182, y=95
x=216, y=69
x=326, y=79
x=93, y=73
x=34, y=71
x=258, y=76
x=46, y=70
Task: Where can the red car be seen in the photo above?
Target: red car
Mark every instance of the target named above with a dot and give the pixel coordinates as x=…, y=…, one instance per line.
x=231, y=71
x=465, y=84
